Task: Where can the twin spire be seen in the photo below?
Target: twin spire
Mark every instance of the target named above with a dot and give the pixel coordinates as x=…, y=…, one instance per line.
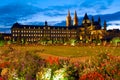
x=85, y=20
x=75, y=19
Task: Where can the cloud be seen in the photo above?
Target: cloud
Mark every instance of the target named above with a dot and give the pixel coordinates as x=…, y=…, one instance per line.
x=11, y=13
x=110, y=27
x=113, y=25
x=97, y=6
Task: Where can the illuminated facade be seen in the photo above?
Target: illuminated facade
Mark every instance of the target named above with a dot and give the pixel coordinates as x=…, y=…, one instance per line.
x=88, y=30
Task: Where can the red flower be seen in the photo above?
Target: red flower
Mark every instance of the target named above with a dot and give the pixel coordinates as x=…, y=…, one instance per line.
x=53, y=60
x=92, y=76
x=4, y=64
x=1, y=78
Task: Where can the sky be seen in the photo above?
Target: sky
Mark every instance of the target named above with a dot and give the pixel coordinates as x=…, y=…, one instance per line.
x=54, y=11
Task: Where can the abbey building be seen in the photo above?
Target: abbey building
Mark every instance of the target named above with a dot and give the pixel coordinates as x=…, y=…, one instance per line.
x=88, y=30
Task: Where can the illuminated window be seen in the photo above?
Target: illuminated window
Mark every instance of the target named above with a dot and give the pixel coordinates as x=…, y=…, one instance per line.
x=44, y=28
x=48, y=27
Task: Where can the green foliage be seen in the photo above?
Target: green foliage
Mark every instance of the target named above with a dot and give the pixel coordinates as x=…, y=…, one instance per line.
x=72, y=42
x=2, y=42
x=9, y=42
x=115, y=40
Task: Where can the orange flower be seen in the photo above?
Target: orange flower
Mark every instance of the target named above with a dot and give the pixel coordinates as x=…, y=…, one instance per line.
x=53, y=60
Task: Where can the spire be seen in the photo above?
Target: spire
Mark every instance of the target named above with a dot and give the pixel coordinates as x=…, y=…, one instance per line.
x=85, y=19
x=68, y=12
x=86, y=16
x=99, y=20
x=92, y=19
x=75, y=15
x=105, y=25
x=68, y=19
x=75, y=20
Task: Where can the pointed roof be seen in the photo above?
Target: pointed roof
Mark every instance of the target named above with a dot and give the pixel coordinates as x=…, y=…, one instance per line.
x=105, y=22
x=86, y=16
x=92, y=19
x=68, y=12
x=75, y=14
x=99, y=20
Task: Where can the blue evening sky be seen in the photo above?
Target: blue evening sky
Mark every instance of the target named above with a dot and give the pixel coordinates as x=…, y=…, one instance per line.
x=54, y=11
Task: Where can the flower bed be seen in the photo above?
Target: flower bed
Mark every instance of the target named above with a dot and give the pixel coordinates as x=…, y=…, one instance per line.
x=18, y=65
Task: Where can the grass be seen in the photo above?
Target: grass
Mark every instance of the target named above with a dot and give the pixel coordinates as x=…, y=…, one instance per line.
x=66, y=51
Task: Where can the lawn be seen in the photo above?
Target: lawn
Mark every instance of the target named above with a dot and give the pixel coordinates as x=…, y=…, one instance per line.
x=66, y=51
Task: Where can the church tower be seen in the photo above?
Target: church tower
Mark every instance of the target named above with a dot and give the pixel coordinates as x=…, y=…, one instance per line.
x=99, y=20
x=92, y=19
x=85, y=19
x=105, y=25
x=75, y=20
x=68, y=19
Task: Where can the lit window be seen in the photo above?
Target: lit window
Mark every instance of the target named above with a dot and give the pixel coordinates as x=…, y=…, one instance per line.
x=48, y=27
x=44, y=27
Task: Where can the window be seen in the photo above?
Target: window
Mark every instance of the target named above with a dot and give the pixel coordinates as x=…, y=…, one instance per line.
x=44, y=28
x=48, y=27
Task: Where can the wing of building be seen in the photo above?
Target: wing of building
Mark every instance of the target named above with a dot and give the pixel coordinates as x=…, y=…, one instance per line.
x=89, y=30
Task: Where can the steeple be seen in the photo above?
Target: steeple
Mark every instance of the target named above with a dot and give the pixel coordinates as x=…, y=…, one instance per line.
x=92, y=19
x=105, y=25
x=85, y=19
x=99, y=20
x=68, y=12
x=75, y=20
x=68, y=19
x=86, y=16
